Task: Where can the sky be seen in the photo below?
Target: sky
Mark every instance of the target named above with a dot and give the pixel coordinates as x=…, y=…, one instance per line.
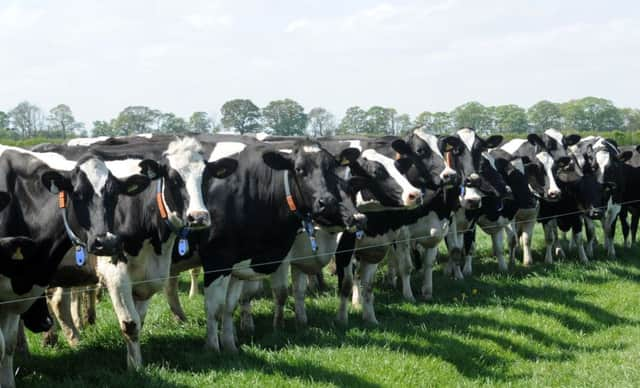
x=184, y=56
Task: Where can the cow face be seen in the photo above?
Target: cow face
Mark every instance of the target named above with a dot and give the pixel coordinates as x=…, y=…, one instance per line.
x=184, y=172
x=315, y=183
x=477, y=167
x=374, y=185
x=91, y=195
x=430, y=168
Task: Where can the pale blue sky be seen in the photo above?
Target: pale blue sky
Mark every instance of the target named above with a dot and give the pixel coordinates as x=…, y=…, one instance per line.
x=182, y=56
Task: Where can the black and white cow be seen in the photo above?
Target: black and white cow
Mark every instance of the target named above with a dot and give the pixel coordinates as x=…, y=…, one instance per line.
x=257, y=216
x=151, y=224
x=630, y=196
x=483, y=191
x=607, y=166
x=58, y=203
x=550, y=168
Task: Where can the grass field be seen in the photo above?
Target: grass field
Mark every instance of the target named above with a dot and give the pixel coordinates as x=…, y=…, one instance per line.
x=561, y=325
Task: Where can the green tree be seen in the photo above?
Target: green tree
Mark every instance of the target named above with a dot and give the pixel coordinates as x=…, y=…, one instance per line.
x=380, y=120
x=591, y=114
x=170, y=123
x=437, y=123
x=136, y=119
x=510, y=118
x=321, y=122
x=354, y=121
x=401, y=124
x=102, y=128
x=200, y=122
x=544, y=115
x=61, y=120
x=4, y=120
x=285, y=117
x=27, y=119
x=630, y=119
x=241, y=115
x=472, y=115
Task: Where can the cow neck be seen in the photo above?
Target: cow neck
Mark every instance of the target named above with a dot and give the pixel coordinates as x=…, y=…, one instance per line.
x=182, y=232
x=305, y=218
x=80, y=247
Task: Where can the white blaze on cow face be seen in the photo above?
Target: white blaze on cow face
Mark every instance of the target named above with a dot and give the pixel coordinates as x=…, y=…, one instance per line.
x=547, y=163
x=512, y=146
x=185, y=157
x=555, y=135
x=353, y=144
x=518, y=165
x=471, y=198
x=225, y=149
x=311, y=149
x=97, y=173
x=603, y=158
x=410, y=193
x=432, y=142
x=468, y=137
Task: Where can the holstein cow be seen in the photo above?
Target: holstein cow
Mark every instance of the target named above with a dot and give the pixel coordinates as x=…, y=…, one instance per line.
x=392, y=233
x=607, y=162
x=549, y=167
x=483, y=191
x=62, y=205
x=154, y=224
x=630, y=196
x=257, y=214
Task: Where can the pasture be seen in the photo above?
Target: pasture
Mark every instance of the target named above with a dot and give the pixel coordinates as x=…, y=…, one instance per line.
x=561, y=325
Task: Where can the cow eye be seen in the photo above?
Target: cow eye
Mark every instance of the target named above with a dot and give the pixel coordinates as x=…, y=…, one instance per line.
x=299, y=171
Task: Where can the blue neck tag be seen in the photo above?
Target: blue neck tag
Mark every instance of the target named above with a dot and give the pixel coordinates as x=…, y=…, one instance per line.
x=80, y=255
x=359, y=234
x=183, y=246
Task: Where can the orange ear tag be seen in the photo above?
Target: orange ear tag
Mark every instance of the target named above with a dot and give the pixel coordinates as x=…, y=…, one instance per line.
x=291, y=203
x=61, y=200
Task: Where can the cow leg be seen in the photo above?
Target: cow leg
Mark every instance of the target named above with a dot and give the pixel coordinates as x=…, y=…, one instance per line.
x=171, y=292
x=367, y=274
x=549, y=241
x=118, y=283
x=299, y=280
x=60, y=304
x=355, y=291
x=624, y=223
x=9, y=323
x=76, y=295
x=469, y=239
x=609, y=228
x=512, y=242
x=214, y=298
x=345, y=287
x=391, y=277
x=22, y=345
x=89, y=312
x=526, y=237
x=249, y=291
x=280, y=290
x=231, y=302
x=558, y=246
x=454, y=245
x=590, y=231
x=405, y=267
x=577, y=238
x=635, y=217
x=497, y=241
x=429, y=259
x=194, y=290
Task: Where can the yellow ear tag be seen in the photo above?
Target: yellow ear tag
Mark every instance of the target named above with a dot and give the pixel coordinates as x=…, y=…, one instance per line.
x=18, y=254
x=448, y=147
x=344, y=162
x=221, y=172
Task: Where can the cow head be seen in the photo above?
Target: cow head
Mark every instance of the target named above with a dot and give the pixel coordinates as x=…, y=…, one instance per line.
x=555, y=166
x=90, y=194
x=315, y=184
x=480, y=178
x=431, y=167
x=184, y=172
x=374, y=184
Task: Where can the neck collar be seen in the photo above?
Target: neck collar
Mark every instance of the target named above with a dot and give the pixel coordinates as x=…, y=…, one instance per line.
x=80, y=246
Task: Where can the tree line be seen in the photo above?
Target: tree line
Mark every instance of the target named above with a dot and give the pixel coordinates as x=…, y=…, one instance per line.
x=288, y=117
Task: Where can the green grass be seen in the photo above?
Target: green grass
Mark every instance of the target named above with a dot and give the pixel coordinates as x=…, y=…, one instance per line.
x=561, y=325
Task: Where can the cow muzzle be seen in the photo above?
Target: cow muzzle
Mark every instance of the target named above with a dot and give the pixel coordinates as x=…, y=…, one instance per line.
x=106, y=245
x=198, y=219
x=356, y=222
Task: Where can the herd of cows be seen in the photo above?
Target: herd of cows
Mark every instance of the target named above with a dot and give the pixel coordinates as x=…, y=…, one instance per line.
x=132, y=213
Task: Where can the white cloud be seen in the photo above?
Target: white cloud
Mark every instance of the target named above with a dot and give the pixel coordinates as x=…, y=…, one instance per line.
x=296, y=25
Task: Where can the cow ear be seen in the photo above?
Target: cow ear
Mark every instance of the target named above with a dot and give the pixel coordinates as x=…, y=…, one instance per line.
x=449, y=143
x=612, y=142
x=401, y=147
x=624, y=156
x=501, y=164
x=133, y=185
x=358, y=183
x=277, y=160
x=11, y=247
x=348, y=156
x=221, y=168
x=403, y=165
x=638, y=148
x=493, y=141
x=55, y=182
x=151, y=169
x=5, y=198
x=571, y=140
x=536, y=140
x=531, y=169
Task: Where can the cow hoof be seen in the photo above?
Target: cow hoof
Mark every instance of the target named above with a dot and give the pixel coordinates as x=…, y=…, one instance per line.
x=409, y=298
x=180, y=317
x=301, y=323
x=50, y=339
x=503, y=268
x=210, y=347
x=371, y=322
x=427, y=297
